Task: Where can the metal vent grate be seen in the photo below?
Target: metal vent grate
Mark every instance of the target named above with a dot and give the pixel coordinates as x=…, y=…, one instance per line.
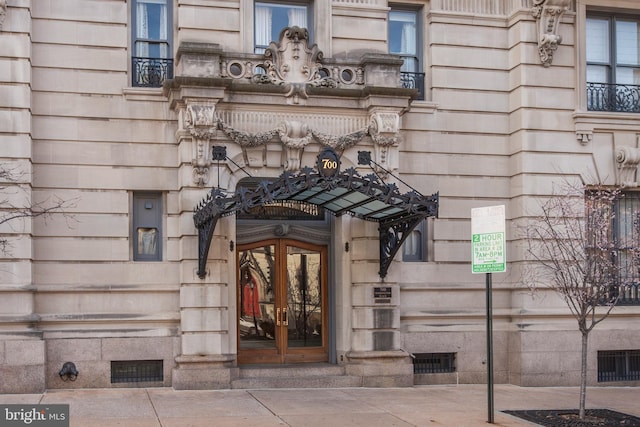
x=133, y=371
x=432, y=363
x=620, y=365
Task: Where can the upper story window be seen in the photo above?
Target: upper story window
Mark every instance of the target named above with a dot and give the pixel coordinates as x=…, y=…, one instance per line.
x=613, y=63
x=151, y=61
x=404, y=40
x=270, y=18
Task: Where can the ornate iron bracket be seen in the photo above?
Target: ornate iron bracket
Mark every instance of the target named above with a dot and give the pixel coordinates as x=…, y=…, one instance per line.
x=392, y=236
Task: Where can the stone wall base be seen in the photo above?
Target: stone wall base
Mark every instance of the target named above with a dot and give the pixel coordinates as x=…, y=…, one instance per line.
x=22, y=367
x=381, y=368
x=204, y=372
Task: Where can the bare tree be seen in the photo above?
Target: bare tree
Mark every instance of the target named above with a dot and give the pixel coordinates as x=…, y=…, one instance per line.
x=578, y=255
x=16, y=204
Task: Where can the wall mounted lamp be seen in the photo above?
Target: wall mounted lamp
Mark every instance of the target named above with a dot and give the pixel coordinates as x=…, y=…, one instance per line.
x=68, y=372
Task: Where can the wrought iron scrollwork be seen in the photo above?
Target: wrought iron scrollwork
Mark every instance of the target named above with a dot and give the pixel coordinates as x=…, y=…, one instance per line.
x=151, y=72
x=392, y=235
x=398, y=215
x=413, y=81
x=613, y=97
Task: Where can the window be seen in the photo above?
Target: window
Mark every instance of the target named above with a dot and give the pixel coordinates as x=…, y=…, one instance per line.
x=404, y=40
x=151, y=61
x=147, y=227
x=613, y=221
x=613, y=63
x=271, y=18
x=626, y=237
x=414, y=247
x=622, y=365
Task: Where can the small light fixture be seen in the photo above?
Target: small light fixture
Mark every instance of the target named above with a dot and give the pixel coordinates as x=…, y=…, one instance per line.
x=346, y=247
x=231, y=245
x=68, y=372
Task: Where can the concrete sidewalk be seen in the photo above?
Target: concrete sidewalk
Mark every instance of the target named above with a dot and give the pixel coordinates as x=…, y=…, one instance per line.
x=458, y=406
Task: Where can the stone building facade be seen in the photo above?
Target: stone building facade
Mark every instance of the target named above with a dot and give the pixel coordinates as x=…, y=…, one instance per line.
x=142, y=116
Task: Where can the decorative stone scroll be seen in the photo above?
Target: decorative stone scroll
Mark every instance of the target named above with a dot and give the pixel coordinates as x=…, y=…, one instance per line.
x=385, y=132
x=627, y=159
x=548, y=13
x=294, y=64
x=3, y=12
x=201, y=122
x=294, y=136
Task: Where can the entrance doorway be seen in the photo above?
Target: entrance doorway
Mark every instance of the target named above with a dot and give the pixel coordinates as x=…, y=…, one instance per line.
x=282, y=302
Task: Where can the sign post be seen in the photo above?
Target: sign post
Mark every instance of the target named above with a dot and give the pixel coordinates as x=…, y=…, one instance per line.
x=488, y=256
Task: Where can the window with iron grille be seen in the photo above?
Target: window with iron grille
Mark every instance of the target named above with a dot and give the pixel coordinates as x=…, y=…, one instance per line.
x=134, y=371
x=405, y=41
x=433, y=363
x=619, y=365
x=613, y=246
x=152, y=57
x=613, y=62
x=626, y=237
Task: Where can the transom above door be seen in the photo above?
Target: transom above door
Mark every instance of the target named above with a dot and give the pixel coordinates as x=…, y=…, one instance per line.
x=282, y=299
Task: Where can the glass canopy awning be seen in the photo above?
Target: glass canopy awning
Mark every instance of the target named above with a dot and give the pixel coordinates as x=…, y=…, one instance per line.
x=365, y=197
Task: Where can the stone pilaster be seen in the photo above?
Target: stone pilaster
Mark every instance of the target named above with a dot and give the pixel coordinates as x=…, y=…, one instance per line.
x=21, y=349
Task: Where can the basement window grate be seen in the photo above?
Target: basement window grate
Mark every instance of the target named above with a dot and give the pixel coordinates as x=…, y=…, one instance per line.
x=619, y=365
x=134, y=371
x=434, y=363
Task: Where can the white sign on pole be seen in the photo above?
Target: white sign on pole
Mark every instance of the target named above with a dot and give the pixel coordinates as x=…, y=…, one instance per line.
x=488, y=240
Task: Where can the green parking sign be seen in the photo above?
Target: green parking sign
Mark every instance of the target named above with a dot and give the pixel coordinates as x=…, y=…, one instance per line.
x=488, y=240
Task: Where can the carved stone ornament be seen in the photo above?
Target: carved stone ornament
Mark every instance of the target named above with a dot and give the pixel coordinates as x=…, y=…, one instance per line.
x=385, y=133
x=548, y=13
x=627, y=159
x=3, y=12
x=339, y=142
x=294, y=136
x=201, y=122
x=293, y=63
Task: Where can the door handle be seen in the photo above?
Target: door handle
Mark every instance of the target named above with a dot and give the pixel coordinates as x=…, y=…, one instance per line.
x=285, y=320
x=277, y=317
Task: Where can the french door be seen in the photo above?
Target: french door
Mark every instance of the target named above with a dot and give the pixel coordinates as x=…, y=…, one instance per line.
x=282, y=294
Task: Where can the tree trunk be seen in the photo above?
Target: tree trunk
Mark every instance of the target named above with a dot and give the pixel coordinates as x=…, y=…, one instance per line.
x=583, y=374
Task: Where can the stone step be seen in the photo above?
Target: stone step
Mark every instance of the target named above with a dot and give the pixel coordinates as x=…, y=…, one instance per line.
x=294, y=376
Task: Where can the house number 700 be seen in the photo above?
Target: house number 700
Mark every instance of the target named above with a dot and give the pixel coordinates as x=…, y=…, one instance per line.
x=329, y=164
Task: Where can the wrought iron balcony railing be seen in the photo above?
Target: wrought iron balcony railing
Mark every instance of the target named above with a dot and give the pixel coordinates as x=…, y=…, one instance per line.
x=613, y=97
x=151, y=72
x=413, y=81
x=627, y=295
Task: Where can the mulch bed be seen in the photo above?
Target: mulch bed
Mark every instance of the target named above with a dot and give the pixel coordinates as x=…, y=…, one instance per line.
x=569, y=418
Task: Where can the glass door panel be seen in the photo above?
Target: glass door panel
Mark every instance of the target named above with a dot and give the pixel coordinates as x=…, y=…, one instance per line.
x=281, y=302
x=257, y=313
x=304, y=298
